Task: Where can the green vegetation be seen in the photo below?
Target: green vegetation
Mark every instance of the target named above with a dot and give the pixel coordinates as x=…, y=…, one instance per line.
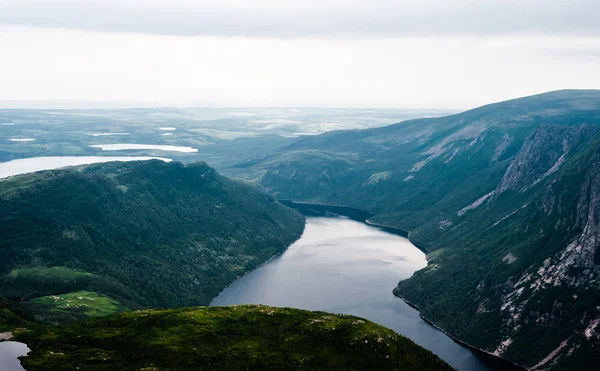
x=146, y=234
x=14, y=315
x=425, y=176
x=492, y=284
x=225, y=338
x=32, y=282
x=220, y=137
x=73, y=306
x=495, y=195
x=82, y=244
x=41, y=275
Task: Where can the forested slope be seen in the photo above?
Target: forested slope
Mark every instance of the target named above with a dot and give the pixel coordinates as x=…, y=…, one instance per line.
x=141, y=234
x=504, y=199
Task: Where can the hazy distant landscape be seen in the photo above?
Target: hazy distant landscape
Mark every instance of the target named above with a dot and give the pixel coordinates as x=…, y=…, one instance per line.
x=467, y=188
x=218, y=136
x=282, y=185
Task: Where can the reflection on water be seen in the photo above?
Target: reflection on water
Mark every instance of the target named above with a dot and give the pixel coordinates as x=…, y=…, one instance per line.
x=9, y=353
x=344, y=266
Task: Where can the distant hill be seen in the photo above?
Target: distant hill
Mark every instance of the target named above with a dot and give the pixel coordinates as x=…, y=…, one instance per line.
x=504, y=198
x=225, y=338
x=96, y=239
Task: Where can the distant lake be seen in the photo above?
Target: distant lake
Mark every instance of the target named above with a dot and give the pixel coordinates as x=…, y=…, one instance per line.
x=21, y=139
x=106, y=134
x=32, y=164
x=132, y=146
x=9, y=353
x=341, y=265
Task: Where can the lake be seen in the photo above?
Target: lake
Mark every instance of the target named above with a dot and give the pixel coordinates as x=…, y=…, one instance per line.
x=9, y=353
x=33, y=164
x=342, y=265
x=132, y=146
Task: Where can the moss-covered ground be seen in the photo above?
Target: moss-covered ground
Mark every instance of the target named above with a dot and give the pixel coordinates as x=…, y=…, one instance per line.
x=245, y=337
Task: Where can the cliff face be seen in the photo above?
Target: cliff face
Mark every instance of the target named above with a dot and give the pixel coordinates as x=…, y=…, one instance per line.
x=505, y=199
x=561, y=294
x=544, y=151
x=529, y=252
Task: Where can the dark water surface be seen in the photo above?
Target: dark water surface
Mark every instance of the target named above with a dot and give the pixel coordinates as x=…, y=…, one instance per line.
x=341, y=265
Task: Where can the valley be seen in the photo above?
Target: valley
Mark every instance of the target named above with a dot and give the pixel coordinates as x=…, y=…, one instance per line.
x=501, y=197
x=145, y=233
x=48, y=288
x=218, y=136
x=341, y=265
x=500, y=200
x=299, y=185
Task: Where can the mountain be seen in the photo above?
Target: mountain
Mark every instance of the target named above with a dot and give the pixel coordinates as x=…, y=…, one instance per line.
x=98, y=239
x=503, y=198
x=225, y=338
x=518, y=274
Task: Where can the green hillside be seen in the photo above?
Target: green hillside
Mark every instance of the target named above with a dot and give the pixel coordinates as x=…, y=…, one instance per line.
x=135, y=235
x=225, y=338
x=500, y=196
x=405, y=171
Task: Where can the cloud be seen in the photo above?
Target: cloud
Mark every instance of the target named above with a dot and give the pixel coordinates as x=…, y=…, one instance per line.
x=41, y=64
x=308, y=18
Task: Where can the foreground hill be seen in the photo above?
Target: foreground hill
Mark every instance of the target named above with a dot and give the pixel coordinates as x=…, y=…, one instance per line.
x=97, y=239
x=504, y=198
x=225, y=338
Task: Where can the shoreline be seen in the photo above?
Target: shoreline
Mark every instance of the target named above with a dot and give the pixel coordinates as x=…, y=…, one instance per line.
x=402, y=233
x=258, y=266
x=478, y=352
x=363, y=218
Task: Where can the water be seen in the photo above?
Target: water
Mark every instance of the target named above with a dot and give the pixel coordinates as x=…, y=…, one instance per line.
x=9, y=353
x=341, y=265
x=21, y=139
x=32, y=164
x=106, y=134
x=133, y=146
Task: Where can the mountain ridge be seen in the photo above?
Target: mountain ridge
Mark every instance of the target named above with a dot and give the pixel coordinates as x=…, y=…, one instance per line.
x=147, y=234
x=440, y=177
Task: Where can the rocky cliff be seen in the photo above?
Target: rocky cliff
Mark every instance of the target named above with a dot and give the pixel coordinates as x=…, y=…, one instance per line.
x=523, y=258
x=503, y=197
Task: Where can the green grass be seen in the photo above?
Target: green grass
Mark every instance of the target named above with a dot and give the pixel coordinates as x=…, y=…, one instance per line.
x=14, y=316
x=77, y=304
x=225, y=338
x=28, y=283
x=45, y=274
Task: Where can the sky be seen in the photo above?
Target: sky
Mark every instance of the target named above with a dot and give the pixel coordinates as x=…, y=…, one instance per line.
x=327, y=53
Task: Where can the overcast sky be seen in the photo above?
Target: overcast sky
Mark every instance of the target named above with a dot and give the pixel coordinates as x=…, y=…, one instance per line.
x=346, y=53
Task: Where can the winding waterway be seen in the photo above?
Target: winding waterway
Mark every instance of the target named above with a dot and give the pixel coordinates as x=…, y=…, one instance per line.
x=342, y=265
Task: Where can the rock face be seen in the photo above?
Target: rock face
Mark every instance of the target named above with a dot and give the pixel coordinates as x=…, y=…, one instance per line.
x=505, y=199
x=567, y=278
x=546, y=292
x=544, y=151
